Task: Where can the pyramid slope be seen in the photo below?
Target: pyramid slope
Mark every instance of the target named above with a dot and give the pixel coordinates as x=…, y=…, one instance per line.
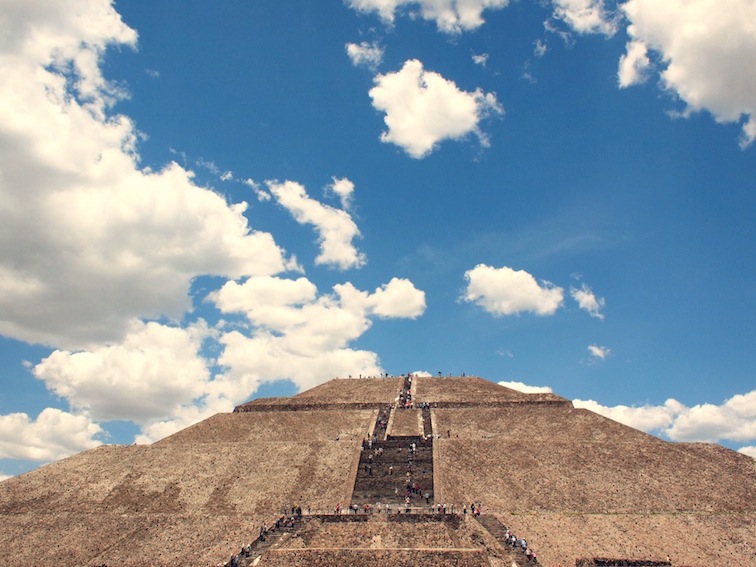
x=195, y=496
x=572, y=460
x=337, y=394
x=575, y=483
x=473, y=390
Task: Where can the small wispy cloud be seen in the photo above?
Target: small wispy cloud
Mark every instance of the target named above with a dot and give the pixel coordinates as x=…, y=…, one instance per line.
x=525, y=388
x=599, y=352
x=480, y=59
x=588, y=301
x=365, y=54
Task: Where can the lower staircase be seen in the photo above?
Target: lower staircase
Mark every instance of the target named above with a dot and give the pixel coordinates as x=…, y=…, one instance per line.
x=499, y=531
x=250, y=554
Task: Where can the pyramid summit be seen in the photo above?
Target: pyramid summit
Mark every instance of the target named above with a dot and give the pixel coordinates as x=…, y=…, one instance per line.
x=390, y=471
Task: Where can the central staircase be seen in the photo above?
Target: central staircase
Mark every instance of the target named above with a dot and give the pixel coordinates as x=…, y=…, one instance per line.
x=395, y=475
x=390, y=470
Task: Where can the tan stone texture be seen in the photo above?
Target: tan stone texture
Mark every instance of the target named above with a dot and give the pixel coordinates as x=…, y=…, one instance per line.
x=573, y=483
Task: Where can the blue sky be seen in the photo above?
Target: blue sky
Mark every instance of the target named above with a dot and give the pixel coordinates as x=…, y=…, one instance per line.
x=202, y=203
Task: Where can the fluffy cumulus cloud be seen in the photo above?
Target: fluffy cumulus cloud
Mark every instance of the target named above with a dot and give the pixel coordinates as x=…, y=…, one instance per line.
x=525, y=388
x=335, y=227
x=423, y=108
x=450, y=16
x=504, y=291
x=88, y=239
x=300, y=335
x=365, y=54
x=398, y=298
x=153, y=372
x=588, y=301
x=750, y=451
x=343, y=188
x=586, y=16
x=646, y=418
x=634, y=65
x=53, y=435
x=733, y=421
x=706, y=55
x=97, y=255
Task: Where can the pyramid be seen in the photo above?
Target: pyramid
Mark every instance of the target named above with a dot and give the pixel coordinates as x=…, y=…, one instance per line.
x=383, y=471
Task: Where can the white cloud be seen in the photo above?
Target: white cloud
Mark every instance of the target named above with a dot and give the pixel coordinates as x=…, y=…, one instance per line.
x=504, y=291
x=53, y=435
x=481, y=59
x=365, y=54
x=422, y=374
x=398, y=298
x=423, y=108
x=540, y=49
x=451, y=16
x=262, y=357
x=586, y=16
x=261, y=194
x=588, y=301
x=634, y=65
x=522, y=387
x=4, y=476
x=154, y=371
x=335, y=227
x=707, y=52
x=599, y=351
x=734, y=420
x=88, y=240
x=344, y=189
x=301, y=336
x=646, y=418
x=750, y=451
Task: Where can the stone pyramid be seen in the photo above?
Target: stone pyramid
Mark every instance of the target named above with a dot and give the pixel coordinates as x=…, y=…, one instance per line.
x=383, y=471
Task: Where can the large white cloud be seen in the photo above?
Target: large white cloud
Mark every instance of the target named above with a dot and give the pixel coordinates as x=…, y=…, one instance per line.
x=734, y=420
x=301, y=336
x=88, y=239
x=504, y=291
x=154, y=371
x=451, y=16
x=92, y=245
x=423, y=108
x=335, y=227
x=53, y=435
x=707, y=52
